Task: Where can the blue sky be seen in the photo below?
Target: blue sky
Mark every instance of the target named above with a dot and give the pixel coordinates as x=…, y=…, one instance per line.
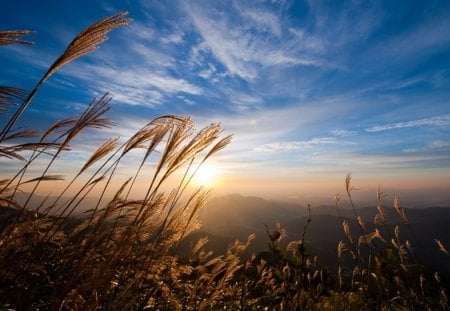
x=311, y=90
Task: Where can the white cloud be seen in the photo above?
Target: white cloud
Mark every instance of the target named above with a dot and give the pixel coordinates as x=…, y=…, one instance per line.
x=132, y=85
x=253, y=128
x=262, y=20
x=309, y=42
x=174, y=38
x=244, y=51
x=196, y=55
x=343, y=133
x=242, y=101
x=344, y=23
x=140, y=31
x=433, y=121
x=207, y=73
x=152, y=56
x=423, y=38
x=360, y=162
x=436, y=145
x=295, y=145
x=168, y=84
x=439, y=144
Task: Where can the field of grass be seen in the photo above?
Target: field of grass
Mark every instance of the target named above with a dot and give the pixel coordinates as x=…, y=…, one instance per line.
x=122, y=253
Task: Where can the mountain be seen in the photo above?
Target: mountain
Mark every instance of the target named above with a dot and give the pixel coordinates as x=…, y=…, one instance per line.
x=247, y=212
x=228, y=218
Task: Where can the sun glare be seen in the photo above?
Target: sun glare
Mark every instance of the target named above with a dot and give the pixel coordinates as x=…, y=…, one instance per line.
x=207, y=175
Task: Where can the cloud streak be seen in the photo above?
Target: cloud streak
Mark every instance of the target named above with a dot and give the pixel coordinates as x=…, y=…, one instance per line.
x=436, y=145
x=244, y=51
x=138, y=86
x=343, y=133
x=295, y=145
x=433, y=121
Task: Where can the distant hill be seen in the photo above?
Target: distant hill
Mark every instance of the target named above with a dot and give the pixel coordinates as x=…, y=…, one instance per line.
x=249, y=212
x=228, y=218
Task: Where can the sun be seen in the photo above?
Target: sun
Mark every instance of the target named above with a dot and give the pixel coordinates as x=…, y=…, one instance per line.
x=207, y=175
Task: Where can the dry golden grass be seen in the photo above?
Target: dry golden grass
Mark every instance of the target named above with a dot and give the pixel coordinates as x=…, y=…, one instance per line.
x=14, y=37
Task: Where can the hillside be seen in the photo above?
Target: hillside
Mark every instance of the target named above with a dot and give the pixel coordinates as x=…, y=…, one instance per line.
x=233, y=217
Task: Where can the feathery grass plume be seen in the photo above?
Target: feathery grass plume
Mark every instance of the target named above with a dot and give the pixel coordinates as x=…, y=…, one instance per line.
x=91, y=118
x=361, y=222
x=347, y=231
x=9, y=202
x=154, y=131
x=59, y=127
x=75, y=127
x=218, y=146
x=199, y=245
x=22, y=134
x=3, y=182
x=44, y=178
x=381, y=216
x=12, y=152
x=200, y=198
x=348, y=187
x=337, y=199
x=9, y=95
x=136, y=141
x=179, y=131
x=84, y=43
x=379, y=219
x=441, y=247
x=173, y=156
x=200, y=147
x=156, y=134
x=342, y=247
x=115, y=203
x=36, y=153
x=88, y=40
x=400, y=211
x=397, y=232
x=395, y=244
x=293, y=246
x=368, y=238
x=100, y=153
x=14, y=37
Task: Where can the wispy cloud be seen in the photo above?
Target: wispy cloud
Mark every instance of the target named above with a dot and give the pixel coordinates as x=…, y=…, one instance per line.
x=243, y=51
x=151, y=56
x=295, y=145
x=343, y=133
x=425, y=37
x=433, y=121
x=241, y=101
x=344, y=23
x=174, y=38
x=436, y=145
x=138, y=86
x=260, y=19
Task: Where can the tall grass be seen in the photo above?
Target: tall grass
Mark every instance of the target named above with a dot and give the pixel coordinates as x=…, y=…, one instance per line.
x=121, y=254
x=116, y=255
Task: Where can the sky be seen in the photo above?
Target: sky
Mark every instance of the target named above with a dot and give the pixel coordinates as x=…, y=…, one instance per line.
x=311, y=90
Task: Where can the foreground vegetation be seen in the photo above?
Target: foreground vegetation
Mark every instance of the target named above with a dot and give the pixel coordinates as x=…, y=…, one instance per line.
x=122, y=253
